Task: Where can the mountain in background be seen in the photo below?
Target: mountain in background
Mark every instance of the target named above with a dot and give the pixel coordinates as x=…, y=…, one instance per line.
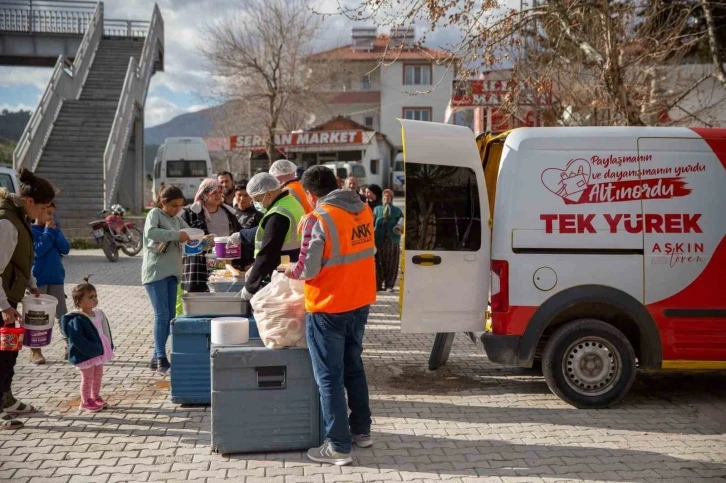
x=192, y=124
x=12, y=124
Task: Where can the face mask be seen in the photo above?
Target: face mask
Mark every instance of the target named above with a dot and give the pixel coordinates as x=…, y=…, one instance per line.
x=259, y=206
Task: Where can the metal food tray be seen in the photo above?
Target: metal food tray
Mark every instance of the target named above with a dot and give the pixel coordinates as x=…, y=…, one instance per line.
x=202, y=303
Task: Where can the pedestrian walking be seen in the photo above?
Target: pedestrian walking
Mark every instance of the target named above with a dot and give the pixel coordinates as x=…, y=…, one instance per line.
x=161, y=269
x=50, y=246
x=387, y=219
x=90, y=344
x=336, y=262
x=16, y=262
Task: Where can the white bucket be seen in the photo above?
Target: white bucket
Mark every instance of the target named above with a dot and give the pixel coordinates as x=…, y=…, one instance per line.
x=194, y=245
x=230, y=330
x=38, y=319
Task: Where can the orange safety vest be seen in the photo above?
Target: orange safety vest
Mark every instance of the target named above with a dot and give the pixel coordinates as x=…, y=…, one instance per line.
x=347, y=279
x=296, y=189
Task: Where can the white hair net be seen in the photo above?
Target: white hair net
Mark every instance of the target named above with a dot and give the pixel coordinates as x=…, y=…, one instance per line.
x=281, y=167
x=262, y=183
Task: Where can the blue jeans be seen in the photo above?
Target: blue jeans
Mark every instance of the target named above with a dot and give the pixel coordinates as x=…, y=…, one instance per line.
x=163, y=299
x=336, y=344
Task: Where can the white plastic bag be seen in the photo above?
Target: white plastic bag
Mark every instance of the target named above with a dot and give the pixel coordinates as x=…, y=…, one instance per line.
x=280, y=312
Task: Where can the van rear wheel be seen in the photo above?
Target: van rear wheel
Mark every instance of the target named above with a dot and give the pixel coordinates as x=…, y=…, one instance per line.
x=589, y=364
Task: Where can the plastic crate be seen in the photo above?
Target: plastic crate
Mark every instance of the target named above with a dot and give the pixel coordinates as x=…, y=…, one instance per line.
x=190, y=344
x=263, y=399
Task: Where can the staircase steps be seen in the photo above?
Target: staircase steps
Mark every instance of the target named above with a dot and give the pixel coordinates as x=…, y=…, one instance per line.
x=73, y=156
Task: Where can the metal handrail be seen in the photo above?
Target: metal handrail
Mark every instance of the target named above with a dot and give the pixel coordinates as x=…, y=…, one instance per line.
x=62, y=17
x=133, y=94
x=64, y=4
x=66, y=82
x=125, y=28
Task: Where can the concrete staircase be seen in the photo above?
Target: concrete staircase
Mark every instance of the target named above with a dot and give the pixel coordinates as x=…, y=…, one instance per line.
x=73, y=156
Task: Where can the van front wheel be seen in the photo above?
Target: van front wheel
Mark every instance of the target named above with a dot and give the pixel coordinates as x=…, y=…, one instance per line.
x=589, y=364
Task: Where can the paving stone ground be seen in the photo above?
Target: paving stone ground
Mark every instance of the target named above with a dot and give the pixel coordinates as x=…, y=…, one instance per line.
x=467, y=422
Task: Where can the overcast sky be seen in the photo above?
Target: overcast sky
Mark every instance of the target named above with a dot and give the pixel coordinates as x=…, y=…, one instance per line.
x=181, y=87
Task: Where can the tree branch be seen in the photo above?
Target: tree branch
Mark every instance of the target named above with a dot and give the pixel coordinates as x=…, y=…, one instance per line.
x=713, y=43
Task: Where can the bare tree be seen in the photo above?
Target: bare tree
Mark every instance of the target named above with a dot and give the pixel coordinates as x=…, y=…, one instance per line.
x=606, y=62
x=260, y=56
x=714, y=44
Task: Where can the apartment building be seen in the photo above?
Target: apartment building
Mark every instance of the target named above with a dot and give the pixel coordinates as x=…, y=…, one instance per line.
x=383, y=78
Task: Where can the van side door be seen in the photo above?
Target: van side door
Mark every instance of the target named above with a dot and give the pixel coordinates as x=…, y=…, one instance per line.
x=684, y=222
x=447, y=240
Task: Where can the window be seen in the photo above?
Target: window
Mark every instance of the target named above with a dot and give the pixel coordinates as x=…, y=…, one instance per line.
x=157, y=169
x=398, y=166
x=445, y=215
x=369, y=121
x=186, y=169
x=417, y=113
x=7, y=182
x=359, y=171
x=365, y=82
x=375, y=163
x=417, y=75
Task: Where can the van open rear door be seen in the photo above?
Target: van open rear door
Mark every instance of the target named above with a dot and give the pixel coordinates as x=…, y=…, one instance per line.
x=447, y=239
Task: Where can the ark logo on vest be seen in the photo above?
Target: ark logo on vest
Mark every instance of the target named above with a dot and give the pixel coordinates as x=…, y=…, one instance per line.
x=361, y=234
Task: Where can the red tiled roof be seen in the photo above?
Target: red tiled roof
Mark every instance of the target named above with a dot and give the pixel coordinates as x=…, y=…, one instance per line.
x=339, y=123
x=381, y=51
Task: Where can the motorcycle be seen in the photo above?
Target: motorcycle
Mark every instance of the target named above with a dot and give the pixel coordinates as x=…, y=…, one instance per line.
x=113, y=233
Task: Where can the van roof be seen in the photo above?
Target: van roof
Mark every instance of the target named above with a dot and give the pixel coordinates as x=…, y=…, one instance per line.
x=596, y=137
x=182, y=140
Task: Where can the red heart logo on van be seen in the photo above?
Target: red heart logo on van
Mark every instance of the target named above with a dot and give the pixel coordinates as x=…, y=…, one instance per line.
x=568, y=183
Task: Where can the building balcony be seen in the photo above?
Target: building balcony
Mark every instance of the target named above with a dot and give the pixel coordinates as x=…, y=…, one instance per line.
x=354, y=97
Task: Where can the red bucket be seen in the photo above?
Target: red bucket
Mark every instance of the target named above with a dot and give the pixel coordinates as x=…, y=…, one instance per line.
x=11, y=339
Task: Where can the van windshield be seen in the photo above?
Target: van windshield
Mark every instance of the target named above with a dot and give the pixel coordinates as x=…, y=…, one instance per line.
x=398, y=166
x=359, y=171
x=341, y=173
x=6, y=182
x=186, y=169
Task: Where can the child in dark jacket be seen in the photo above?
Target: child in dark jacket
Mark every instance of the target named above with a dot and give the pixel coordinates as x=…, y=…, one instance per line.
x=90, y=344
x=50, y=246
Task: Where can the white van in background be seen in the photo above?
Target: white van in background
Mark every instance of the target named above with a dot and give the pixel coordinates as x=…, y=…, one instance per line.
x=398, y=177
x=182, y=162
x=9, y=179
x=343, y=169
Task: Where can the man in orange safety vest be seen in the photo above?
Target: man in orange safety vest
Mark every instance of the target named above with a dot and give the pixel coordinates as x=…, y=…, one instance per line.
x=337, y=264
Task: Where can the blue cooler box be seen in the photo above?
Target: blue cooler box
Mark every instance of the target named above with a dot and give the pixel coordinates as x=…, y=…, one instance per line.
x=263, y=399
x=190, y=343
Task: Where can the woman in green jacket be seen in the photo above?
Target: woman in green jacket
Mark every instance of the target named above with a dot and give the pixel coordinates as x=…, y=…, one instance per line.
x=388, y=220
x=162, y=266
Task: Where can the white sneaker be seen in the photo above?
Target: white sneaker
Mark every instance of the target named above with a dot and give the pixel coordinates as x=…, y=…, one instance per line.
x=327, y=454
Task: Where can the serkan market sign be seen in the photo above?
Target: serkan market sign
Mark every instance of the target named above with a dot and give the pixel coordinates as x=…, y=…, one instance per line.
x=291, y=140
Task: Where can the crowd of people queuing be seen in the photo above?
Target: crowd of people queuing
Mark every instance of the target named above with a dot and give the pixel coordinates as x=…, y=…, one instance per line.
x=274, y=216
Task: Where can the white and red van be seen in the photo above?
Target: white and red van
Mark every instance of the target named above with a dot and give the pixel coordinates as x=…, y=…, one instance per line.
x=604, y=247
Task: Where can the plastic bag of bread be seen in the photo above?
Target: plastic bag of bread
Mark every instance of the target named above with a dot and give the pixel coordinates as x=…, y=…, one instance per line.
x=280, y=312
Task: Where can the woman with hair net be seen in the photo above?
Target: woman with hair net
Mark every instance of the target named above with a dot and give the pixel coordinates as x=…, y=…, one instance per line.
x=286, y=173
x=277, y=232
